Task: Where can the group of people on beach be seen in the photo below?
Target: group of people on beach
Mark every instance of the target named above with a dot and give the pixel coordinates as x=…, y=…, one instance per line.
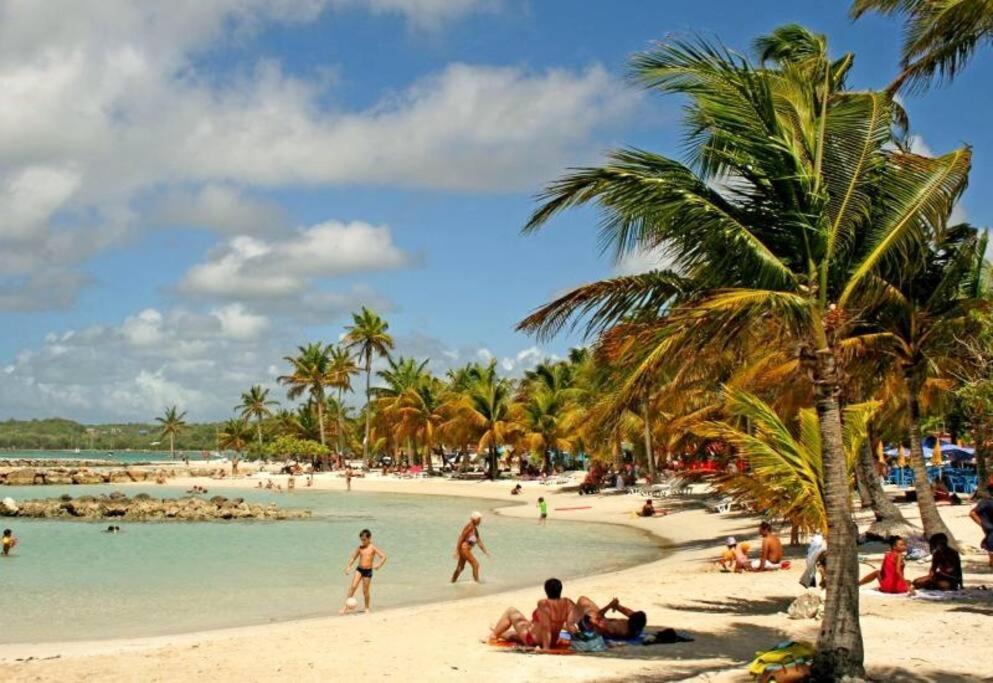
x=554, y=614
x=735, y=558
x=945, y=573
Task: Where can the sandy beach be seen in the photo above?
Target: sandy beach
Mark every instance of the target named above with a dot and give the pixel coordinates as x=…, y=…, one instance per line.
x=729, y=616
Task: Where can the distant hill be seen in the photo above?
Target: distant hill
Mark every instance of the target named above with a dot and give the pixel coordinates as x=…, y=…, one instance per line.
x=57, y=433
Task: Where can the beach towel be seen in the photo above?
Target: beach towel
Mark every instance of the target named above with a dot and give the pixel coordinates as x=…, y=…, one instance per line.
x=563, y=648
x=979, y=592
x=786, y=655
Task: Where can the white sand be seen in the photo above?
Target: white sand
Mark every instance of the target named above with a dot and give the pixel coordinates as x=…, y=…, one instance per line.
x=730, y=616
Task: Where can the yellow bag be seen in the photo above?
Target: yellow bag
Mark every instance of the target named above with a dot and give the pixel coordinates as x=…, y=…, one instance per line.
x=787, y=653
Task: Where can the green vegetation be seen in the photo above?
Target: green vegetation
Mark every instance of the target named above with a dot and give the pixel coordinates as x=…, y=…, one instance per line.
x=58, y=434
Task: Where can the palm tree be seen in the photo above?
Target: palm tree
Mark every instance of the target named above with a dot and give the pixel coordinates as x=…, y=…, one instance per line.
x=922, y=315
x=255, y=404
x=235, y=435
x=547, y=419
x=424, y=411
x=487, y=408
x=785, y=475
x=940, y=36
x=172, y=425
x=814, y=197
x=342, y=367
x=310, y=374
x=368, y=336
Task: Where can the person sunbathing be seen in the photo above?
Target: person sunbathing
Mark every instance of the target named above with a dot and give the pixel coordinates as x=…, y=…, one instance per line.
x=546, y=623
x=592, y=618
x=890, y=575
x=946, y=567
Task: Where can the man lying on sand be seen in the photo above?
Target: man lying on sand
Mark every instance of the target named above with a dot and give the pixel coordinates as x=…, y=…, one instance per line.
x=547, y=621
x=593, y=618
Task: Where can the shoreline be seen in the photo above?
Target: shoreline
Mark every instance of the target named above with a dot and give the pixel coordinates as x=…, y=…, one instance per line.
x=48, y=649
x=729, y=616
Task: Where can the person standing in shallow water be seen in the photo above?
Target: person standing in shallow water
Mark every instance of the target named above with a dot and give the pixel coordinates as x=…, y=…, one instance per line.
x=468, y=539
x=366, y=555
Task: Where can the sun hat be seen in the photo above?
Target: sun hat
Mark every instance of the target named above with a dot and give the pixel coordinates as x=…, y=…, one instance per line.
x=731, y=541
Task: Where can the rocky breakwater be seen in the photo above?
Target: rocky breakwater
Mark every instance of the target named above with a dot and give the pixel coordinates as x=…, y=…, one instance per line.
x=33, y=476
x=144, y=508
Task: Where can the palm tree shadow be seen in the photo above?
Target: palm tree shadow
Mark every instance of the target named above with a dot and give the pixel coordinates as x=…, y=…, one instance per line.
x=737, y=606
x=892, y=673
x=732, y=648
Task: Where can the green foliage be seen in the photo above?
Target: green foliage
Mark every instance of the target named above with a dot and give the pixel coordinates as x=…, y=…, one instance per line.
x=292, y=448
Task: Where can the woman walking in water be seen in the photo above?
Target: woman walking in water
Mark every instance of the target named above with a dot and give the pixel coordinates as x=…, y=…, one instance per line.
x=463, y=548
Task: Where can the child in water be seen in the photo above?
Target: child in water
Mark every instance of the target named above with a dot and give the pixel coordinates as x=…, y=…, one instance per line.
x=366, y=555
x=9, y=541
x=543, y=511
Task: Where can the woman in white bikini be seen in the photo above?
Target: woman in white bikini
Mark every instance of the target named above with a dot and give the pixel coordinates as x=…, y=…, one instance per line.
x=463, y=548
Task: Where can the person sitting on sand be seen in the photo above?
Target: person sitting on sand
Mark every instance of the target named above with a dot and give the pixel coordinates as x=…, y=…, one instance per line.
x=593, y=618
x=8, y=543
x=771, y=555
x=890, y=575
x=735, y=558
x=649, y=510
x=269, y=484
x=946, y=567
x=516, y=491
x=546, y=623
x=469, y=538
x=259, y=485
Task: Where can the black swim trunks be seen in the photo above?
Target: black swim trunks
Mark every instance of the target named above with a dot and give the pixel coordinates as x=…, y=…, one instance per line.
x=366, y=573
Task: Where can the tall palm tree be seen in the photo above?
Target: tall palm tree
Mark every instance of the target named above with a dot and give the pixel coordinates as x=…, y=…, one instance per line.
x=342, y=367
x=939, y=37
x=922, y=316
x=425, y=410
x=400, y=375
x=310, y=374
x=814, y=197
x=547, y=420
x=255, y=404
x=172, y=424
x=487, y=408
x=235, y=436
x=368, y=336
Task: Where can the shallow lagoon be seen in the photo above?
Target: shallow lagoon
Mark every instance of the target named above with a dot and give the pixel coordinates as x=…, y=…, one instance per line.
x=68, y=580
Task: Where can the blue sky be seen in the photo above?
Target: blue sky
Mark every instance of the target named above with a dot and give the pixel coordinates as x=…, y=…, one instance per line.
x=190, y=190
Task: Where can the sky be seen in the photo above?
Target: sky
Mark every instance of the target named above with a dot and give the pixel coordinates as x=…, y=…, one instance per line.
x=189, y=190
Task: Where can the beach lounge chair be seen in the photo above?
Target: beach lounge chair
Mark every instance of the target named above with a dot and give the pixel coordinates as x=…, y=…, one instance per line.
x=722, y=506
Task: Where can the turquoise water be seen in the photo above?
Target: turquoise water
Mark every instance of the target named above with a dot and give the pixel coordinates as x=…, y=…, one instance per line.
x=68, y=580
x=112, y=457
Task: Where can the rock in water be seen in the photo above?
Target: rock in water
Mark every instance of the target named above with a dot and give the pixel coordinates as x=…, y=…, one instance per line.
x=9, y=505
x=143, y=508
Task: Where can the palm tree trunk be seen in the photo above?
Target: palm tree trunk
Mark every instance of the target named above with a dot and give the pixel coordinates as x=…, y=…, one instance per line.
x=930, y=518
x=649, y=451
x=341, y=429
x=493, y=462
x=172, y=446
x=368, y=413
x=839, y=648
x=981, y=432
x=889, y=519
x=258, y=430
x=320, y=417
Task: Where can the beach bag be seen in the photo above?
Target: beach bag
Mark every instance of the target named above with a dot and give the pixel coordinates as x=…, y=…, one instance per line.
x=790, y=660
x=588, y=641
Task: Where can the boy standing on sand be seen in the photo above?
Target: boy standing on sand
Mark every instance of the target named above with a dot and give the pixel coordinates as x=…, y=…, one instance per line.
x=348, y=478
x=542, y=511
x=366, y=554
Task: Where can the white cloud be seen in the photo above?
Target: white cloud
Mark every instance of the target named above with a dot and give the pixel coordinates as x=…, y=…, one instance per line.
x=251, y=268
x=224, y=208
x=106, y=113
x=642, y=261
x=238, y=323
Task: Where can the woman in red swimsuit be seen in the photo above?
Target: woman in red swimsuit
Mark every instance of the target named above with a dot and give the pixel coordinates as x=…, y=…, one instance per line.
x=890, y=575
